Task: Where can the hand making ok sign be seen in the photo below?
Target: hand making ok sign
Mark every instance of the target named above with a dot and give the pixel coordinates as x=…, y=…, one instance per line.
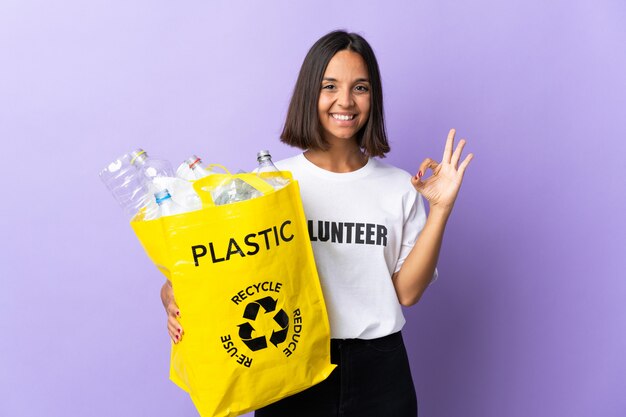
x=442, y=187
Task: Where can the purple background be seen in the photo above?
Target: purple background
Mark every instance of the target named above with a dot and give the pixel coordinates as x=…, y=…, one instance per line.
x=528, y=317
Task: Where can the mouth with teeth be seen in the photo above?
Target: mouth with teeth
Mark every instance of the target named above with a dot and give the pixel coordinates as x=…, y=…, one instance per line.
x=343, y=117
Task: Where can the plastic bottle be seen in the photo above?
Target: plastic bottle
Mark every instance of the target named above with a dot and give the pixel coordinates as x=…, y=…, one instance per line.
x=234, y=191
x=192, y=169
x=157, y=174
x=267, y=166
x=167, y=206
x=150, y=167
x=127, y=184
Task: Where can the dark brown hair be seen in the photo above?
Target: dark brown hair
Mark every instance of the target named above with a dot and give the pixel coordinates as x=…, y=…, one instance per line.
x=302, y=127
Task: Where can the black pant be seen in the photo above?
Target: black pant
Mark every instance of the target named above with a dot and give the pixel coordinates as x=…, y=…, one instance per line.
x=372, y=379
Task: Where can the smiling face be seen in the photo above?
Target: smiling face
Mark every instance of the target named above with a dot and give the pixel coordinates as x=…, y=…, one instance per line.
x=344, y=103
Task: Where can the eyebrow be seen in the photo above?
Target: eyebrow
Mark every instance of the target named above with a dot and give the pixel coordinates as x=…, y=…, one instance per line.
x=358, y=80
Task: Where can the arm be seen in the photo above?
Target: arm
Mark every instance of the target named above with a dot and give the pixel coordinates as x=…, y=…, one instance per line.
x=173, y=313
x=441, y=190
x=419, y=266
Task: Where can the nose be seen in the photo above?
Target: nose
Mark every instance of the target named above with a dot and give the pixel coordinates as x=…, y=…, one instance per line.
x=345, y=98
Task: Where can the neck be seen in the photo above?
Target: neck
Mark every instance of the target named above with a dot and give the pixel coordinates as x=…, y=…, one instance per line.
x=343, y=156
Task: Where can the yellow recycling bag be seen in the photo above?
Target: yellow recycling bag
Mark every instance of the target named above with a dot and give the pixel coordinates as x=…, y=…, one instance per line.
x=244, y=278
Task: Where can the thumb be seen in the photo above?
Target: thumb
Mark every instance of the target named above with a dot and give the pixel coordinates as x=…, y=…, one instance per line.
x=417, y=179
x=417, y=182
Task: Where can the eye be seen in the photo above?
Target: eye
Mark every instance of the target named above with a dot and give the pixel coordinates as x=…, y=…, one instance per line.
x=328, y=87
x=362, y=88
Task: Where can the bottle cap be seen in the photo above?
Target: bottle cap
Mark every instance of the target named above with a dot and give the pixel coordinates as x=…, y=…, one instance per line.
x=162, y=195
x=193, y=161
x=262, y=155
x=138, y=155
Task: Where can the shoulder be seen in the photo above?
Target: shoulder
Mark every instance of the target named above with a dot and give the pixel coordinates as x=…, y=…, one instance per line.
x=294, y=165
x=376, y=176
x=378, y=168
x=391, y=176
x=387, y=170
x=288, y=164
x=393, y=182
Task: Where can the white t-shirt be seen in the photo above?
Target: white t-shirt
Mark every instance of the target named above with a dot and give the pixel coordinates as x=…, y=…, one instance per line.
x=362, y=226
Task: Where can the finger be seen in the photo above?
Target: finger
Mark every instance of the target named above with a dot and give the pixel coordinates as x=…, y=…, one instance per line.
x=173, y=320
x=457, y=153
x=421, y=184
x=173, y=310
x=175, y=331
x=174, y=323
x=171, y=330
x=447, y=152
x=426, y=163
x=417, y=181
x=465, y=163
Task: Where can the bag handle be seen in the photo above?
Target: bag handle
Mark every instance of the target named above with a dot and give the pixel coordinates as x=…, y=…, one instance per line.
x=222, y=167
x=213, y=180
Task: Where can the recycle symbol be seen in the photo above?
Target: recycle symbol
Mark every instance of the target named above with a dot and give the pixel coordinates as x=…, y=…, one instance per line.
x=246, y=329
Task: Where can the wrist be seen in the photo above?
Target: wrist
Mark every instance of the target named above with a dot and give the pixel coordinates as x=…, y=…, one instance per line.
x=439, y=213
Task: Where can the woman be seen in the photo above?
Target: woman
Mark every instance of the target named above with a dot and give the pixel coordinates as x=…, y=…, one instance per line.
x=374, y=247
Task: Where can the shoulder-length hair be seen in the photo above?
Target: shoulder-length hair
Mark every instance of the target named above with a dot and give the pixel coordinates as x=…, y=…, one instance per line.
x=302, y=126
